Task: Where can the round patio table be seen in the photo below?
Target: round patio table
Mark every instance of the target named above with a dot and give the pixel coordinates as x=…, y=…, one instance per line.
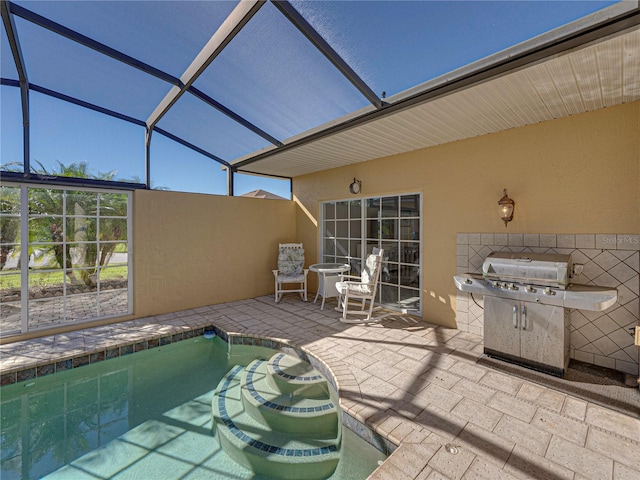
x=328, y=276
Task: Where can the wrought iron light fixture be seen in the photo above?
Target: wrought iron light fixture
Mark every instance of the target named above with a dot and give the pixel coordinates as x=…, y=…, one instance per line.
x=505, y=209
x=355, y=186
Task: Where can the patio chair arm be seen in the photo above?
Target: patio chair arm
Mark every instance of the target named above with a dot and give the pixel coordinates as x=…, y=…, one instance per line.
x=348, y=283
x=343, y=276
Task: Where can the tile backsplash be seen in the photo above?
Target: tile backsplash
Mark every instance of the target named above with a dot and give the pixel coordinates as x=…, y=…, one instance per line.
x=612, y=260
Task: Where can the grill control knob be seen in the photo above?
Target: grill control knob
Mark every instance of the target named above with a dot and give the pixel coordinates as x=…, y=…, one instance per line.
x=513, y=286
x=529, y=288
x=468, y=281
x=548, y=291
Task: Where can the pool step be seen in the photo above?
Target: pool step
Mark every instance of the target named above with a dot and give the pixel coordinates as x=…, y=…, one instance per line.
x=292, y=411
x=291, y=375
x=258, y=424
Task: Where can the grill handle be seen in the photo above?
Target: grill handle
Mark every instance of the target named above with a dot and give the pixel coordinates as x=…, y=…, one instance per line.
x=515, y=316
x=524, y=317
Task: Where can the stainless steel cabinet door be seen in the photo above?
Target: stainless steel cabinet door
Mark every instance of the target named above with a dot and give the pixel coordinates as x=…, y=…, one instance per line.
x=502, y=325
x=542, y=334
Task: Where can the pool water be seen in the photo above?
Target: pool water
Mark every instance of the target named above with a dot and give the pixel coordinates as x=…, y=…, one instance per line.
x=143, y=416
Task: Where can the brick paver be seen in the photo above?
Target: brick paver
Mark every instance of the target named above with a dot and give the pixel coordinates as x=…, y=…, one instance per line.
x=415, y=384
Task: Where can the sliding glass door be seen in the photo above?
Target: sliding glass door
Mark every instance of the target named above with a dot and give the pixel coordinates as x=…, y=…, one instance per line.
x=351, y=228
x=65, y=256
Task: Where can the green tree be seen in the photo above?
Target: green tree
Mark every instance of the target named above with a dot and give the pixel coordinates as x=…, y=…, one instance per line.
x=46, y=210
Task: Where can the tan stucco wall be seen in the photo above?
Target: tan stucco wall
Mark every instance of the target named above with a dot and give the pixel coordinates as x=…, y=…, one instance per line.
x=192, y=250
x=578, y=174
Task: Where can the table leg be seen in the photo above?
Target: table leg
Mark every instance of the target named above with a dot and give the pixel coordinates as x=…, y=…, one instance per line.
x=320, y=288
x=323, y=287
x=329, y=290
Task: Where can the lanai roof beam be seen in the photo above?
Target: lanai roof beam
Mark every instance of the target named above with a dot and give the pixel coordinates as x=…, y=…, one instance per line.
x=238, y=18
x=321, y=44
x=18, y=59
x=89, y=42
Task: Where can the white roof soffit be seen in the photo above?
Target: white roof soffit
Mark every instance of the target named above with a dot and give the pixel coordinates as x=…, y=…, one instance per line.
x=602, y=73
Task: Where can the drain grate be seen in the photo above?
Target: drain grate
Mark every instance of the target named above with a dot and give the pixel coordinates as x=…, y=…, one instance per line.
x=452, y=449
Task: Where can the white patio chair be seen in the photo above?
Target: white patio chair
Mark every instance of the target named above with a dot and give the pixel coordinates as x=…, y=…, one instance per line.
x=353, y=288
x=291, y=271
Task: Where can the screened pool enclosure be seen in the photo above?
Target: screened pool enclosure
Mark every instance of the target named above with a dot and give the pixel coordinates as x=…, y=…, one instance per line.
x=100, y=98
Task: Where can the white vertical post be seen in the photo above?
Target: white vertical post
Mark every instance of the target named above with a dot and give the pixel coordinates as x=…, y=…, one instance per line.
x=24, y=259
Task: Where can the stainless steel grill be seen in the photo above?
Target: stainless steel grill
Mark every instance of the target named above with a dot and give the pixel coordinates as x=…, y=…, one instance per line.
x=526, y=297
x=539, y=278
x=530, y=268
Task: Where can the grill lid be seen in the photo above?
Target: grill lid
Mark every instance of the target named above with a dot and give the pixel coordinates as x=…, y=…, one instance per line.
x=531, y=268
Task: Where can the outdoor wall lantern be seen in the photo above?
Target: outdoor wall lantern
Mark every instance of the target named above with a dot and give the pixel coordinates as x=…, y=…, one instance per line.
x=355, y=186
x=505, y=209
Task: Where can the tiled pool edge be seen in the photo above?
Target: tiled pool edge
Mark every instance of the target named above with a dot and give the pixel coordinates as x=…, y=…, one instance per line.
x=231, y=338
x=38, y=370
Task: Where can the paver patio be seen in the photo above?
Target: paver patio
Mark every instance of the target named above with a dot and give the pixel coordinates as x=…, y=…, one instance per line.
x=415, y=384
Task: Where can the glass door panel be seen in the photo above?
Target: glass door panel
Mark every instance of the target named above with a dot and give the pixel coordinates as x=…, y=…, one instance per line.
x=10, y=276
x=54, y=243
x=352, y=229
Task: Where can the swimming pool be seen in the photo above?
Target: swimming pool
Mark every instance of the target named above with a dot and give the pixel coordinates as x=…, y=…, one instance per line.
x=146, y=415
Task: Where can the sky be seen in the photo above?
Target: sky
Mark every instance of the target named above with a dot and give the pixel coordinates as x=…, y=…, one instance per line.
x=269, y=74
x=108, y=144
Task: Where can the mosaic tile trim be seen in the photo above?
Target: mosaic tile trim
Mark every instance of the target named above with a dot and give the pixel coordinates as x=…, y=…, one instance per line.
x=252, y=442
x=610, y=260
x=360, y=429
x=278, y=370
x=61, y=365
x=287, y=348
x=276, y=406
x=356, y=426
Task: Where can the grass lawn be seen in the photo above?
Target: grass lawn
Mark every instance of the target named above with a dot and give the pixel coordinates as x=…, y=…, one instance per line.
x=11, y=280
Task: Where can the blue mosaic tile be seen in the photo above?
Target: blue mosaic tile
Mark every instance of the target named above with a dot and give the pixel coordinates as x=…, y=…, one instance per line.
x=252, y=441
x=268, y=404
x=281, y=373
x=81, y=361
x=27, y=374
x=97, y=357
x=219, y=332
x=8, y=378
x=165, y=341
x=126, y=350
x=44, y=370
x=64, y=365
x=112, y=353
